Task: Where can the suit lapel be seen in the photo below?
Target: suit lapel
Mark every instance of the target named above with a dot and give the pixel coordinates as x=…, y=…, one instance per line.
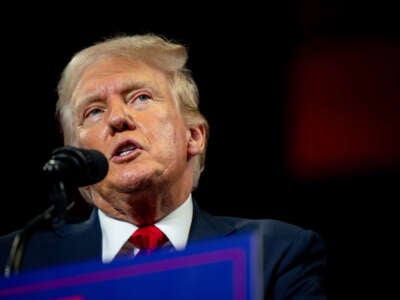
x=206, y=226
x=85, y=236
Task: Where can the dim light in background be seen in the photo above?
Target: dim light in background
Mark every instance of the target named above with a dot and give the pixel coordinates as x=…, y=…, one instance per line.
x=343, y=110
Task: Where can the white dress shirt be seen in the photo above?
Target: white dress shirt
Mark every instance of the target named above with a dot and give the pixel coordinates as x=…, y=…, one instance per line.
x=115, y=233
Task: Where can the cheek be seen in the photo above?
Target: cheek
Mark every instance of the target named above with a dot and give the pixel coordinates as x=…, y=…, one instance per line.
x=172, y=134
x=91, y=138
x=167, y=141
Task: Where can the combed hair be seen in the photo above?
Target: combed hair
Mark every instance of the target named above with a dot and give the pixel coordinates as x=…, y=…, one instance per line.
x=151, y=49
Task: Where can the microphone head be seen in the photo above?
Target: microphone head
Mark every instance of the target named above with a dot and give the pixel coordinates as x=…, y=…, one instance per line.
x=77, y=166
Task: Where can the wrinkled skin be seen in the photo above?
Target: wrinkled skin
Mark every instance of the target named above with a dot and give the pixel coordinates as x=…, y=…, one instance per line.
x=126, y=110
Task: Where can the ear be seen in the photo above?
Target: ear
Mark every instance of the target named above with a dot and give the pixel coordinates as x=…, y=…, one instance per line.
x=196, y=140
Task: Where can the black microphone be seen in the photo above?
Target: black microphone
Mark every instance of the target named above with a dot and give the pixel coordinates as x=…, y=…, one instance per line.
x=76, y=166
x=67, y=166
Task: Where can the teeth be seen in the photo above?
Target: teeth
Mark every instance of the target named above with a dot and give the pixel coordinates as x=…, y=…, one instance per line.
x=126, y=149
x=123, y=153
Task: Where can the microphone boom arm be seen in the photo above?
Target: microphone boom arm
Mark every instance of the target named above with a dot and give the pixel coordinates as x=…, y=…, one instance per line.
x=54, y=214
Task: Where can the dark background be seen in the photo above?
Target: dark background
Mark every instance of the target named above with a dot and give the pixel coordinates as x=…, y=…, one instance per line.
x=249, y=63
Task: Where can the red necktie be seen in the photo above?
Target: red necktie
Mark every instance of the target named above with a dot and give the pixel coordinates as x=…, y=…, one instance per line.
x=148, y=238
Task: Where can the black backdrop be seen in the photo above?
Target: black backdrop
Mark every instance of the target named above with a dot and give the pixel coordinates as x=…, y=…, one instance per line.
x=239, y=57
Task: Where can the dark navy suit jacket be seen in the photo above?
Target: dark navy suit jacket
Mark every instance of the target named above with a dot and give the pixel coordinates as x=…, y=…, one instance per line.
x=294, y=259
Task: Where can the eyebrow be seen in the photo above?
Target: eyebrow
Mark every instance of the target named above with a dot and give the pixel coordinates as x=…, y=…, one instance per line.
x=100, y=93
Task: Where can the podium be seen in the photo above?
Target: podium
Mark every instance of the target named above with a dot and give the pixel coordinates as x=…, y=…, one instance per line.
x=228, y=268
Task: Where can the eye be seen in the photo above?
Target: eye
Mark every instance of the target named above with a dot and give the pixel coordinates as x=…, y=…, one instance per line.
x=92, y=112
x=143, y=97
x=140, y=101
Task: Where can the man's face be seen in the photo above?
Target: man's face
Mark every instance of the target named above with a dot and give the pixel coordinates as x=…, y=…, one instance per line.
x=126, y=110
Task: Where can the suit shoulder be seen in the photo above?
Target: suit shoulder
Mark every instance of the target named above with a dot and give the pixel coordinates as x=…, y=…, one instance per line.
x=272, y=230
x=273, y=227
x=268, y=226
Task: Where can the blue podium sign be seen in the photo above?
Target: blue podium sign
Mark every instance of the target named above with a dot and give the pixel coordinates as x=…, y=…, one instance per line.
x=225, y=269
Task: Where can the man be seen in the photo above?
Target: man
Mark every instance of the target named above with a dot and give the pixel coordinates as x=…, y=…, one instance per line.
x=133, y=99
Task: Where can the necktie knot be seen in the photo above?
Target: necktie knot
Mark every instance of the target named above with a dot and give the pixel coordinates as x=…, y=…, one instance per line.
x=148, y=238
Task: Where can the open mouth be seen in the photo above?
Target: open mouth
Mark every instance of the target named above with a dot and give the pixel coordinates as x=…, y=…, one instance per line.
x=125, y=148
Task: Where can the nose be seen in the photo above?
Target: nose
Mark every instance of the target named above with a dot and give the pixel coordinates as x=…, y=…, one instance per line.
x=119, y=117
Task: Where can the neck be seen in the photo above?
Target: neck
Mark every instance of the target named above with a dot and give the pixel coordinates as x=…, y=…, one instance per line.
x=146, y=206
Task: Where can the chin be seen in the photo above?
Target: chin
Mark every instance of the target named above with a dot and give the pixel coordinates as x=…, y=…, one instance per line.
x=134, y=182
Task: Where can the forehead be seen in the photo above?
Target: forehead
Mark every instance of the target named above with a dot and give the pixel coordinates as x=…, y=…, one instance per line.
x=112, y=75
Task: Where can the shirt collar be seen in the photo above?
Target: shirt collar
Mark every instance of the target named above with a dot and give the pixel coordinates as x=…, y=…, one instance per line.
x=175, y=226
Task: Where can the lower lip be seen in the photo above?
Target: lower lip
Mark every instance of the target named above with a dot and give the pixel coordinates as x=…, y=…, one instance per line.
x=128, y=157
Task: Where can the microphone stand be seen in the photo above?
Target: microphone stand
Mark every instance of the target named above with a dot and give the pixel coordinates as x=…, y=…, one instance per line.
x=54, y=216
